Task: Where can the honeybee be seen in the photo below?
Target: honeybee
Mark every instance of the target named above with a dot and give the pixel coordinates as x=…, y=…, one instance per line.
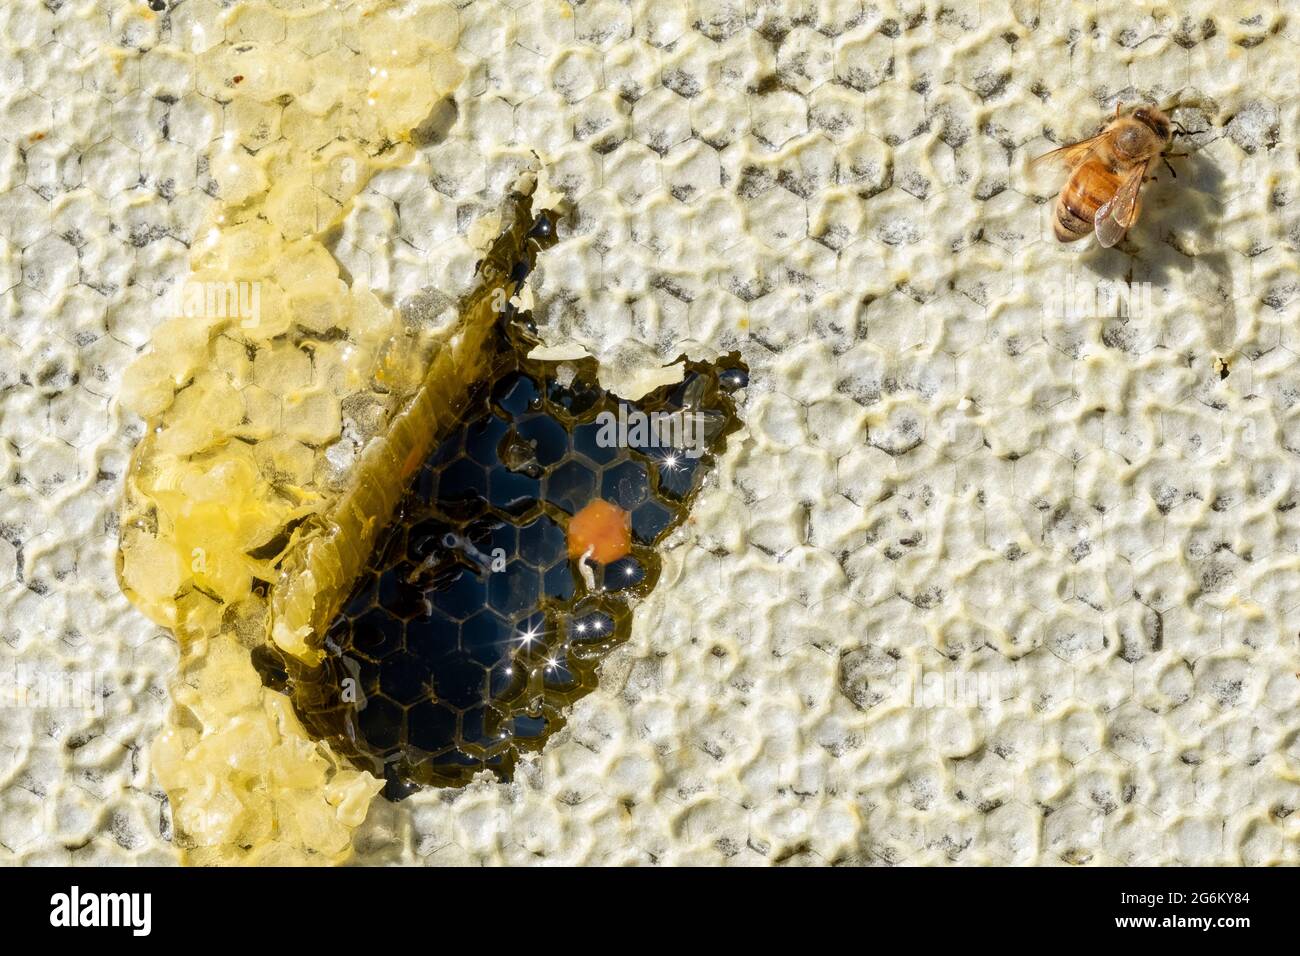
x=1107, y=173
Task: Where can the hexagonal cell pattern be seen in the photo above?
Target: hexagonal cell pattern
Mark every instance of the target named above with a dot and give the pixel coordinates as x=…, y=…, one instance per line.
x=1100, y=506
x=472, y=630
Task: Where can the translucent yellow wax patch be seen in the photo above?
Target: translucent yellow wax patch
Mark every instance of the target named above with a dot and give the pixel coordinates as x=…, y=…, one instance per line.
x=266, y=349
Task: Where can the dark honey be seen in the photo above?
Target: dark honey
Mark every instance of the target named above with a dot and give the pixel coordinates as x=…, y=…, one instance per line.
x=471, y=630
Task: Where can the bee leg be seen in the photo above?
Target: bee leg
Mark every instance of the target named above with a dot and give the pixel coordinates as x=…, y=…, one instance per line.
x=1169, y=165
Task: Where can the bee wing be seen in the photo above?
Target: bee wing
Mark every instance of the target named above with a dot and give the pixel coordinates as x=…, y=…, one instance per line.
x=1068, y=156
x=1116, y=215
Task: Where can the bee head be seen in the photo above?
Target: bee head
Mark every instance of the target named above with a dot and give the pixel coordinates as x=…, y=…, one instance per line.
x=1157, y=121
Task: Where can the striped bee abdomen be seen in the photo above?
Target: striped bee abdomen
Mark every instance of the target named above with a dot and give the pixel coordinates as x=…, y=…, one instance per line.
x=1076, y=207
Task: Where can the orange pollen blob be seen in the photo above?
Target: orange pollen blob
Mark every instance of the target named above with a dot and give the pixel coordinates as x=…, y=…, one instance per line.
x=604, y=528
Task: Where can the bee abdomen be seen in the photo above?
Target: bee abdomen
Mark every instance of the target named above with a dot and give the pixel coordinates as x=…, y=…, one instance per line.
x=1069, y=226
x=1076, y=207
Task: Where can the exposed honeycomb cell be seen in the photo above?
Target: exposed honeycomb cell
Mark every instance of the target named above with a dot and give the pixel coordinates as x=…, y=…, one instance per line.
x=475, y=623
x=601, y=530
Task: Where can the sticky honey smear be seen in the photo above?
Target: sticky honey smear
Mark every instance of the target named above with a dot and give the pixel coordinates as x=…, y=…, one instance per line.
x=275, y=386
x=476, y=622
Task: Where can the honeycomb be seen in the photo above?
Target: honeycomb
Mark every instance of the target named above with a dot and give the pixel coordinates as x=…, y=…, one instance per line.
x=472, y=627
x=261, y=410
x=940, y=479
x=243, y=403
